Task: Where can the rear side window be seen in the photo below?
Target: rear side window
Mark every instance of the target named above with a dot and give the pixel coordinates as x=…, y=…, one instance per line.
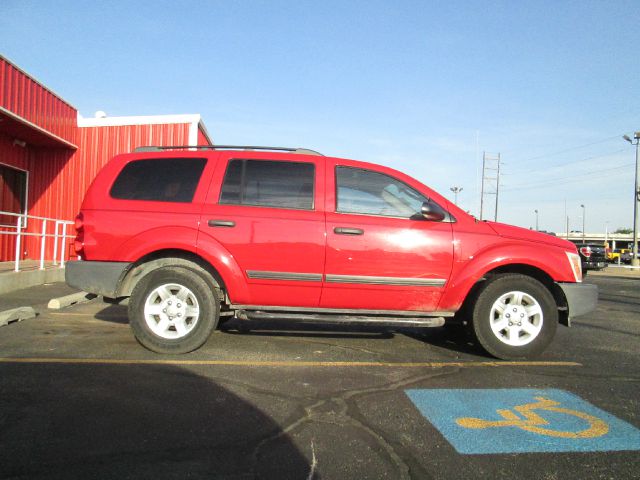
x=269, y=183
x=159, y=180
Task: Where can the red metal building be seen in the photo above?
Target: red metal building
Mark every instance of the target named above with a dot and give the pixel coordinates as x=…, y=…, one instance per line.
x=49, y=155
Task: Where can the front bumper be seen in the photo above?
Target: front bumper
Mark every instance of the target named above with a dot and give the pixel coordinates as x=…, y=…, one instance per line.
x=581, y=298
x=101, y=278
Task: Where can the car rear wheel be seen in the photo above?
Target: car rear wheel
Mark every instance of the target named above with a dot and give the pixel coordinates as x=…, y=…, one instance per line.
x=173, y=310
x=514, y=317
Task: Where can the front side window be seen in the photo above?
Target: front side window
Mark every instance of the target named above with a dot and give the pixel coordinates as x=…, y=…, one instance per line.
x=371, y=193
x=159, y=180
x=269, y=183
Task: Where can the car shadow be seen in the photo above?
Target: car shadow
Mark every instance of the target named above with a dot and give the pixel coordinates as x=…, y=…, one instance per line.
x=291, y=328
x=67, y=421
x=453, y=338
x=114, y=314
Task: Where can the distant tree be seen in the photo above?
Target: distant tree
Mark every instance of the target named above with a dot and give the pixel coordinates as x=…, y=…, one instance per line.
x=624, y=230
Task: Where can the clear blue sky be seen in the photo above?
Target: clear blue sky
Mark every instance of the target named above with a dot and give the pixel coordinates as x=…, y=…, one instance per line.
x=420, y=86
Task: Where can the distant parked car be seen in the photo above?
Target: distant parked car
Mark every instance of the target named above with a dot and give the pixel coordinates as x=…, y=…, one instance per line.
x=593, y=256
x=614, y=255
x=626, y=257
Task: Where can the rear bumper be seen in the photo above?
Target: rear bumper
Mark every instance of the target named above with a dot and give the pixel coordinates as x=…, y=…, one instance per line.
x=595, y=265
x=101, y=278
x=581, y=298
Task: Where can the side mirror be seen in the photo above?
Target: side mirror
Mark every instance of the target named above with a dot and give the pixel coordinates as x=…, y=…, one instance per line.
x=432, y=212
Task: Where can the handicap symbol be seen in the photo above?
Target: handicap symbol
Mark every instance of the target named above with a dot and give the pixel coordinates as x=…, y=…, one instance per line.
x=532, y=422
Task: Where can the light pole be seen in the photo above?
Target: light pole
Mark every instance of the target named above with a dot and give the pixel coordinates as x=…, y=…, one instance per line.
x=636, y=197
x=455, y=191
x=584, y=220
x=536, y=211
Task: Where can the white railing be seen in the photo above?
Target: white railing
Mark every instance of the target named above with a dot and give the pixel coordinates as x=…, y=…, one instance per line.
x=20, y=231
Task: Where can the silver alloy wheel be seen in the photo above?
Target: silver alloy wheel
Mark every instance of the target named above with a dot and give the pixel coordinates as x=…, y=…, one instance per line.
x=516, y=318
x=171, y=311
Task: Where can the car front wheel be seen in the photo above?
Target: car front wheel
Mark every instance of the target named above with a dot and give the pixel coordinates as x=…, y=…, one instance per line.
x=173, y=310
x=514, y=317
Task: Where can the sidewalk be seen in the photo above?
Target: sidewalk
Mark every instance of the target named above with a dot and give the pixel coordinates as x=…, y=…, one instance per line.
x=36, y=297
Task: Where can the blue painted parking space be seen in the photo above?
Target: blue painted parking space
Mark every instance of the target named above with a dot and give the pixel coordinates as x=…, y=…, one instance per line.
x=485, y=421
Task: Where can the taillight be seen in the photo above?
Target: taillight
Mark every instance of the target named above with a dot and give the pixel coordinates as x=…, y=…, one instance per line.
x=586, y=251
x=78, y=244
x=79, y=223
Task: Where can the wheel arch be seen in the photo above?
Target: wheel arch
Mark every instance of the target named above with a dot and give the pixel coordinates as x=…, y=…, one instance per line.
x=524, y=269
x=171, y=257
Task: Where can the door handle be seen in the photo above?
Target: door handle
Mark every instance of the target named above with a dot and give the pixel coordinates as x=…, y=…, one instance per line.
x=221, y=223
x=348, y=231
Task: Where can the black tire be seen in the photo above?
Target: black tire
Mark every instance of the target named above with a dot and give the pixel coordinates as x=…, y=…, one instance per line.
x=201, y=298
x=527, y=345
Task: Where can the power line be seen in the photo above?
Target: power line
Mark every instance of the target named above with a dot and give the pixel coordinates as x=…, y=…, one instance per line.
x=570, y=149
x=570, y=179
x=572, y=162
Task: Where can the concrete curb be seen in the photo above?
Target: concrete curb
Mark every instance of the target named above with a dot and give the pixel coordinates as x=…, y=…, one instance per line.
x=16, y=315
x=67, y=300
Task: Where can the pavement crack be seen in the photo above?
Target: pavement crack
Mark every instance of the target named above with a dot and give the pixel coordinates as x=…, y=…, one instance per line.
x=337, y=410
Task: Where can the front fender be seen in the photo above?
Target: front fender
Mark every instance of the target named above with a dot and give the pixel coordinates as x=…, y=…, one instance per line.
x=469, y=270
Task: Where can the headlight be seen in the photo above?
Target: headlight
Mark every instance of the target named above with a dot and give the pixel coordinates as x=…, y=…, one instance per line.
x=576, y=265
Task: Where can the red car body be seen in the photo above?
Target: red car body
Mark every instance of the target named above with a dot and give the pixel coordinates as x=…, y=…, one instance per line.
x=389, y=264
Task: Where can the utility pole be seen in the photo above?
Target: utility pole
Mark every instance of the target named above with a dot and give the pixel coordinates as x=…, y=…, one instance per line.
x=455, y=191
x=584, y=221
x=490, y=184
x=537, y=228
x=636, y=198
x=566, y=218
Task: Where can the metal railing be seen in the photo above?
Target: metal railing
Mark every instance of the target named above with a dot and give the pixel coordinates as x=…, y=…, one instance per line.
x=21, y=230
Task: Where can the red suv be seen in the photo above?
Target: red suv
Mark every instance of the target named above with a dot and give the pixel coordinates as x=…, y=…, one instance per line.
x=193, y=235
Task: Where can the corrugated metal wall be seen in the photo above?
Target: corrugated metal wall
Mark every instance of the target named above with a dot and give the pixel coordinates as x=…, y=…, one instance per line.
x=25, y=97
x=59, y=177
x=202, y=138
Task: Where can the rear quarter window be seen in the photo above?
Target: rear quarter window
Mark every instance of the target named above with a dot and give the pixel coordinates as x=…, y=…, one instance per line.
x=159, y=180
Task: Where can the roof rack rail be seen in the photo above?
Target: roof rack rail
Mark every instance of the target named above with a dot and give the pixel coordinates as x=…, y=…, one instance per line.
x=152, y=148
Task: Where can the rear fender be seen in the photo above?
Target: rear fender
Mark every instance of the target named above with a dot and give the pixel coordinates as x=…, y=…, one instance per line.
x=184, y=239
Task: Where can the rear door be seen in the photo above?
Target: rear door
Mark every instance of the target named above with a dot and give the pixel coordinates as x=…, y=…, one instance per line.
x=381, y=253
x=268, y=213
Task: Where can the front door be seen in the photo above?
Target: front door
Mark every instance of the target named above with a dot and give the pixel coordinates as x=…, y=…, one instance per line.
x=381, y=254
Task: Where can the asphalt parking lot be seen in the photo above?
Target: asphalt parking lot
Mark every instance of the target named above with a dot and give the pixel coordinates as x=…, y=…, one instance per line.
x=79, y=398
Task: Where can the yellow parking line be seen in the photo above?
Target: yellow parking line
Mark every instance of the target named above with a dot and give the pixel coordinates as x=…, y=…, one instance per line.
x=284, y=363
